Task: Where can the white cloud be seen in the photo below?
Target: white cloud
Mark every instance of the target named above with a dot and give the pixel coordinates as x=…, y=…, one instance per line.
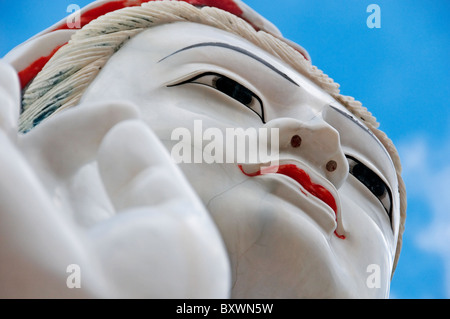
x=427, y=176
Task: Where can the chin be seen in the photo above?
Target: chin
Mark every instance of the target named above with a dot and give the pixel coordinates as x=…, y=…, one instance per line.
x=269, y=245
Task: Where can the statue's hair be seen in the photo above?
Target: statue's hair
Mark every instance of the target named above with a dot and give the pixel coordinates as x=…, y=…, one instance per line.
x=63, y=80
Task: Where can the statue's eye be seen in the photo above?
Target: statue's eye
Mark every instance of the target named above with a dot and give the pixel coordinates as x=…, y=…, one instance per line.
x=373, y=182
x=231, y=88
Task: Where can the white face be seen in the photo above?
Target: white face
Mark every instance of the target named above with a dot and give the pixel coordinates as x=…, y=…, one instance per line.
x=282, y=237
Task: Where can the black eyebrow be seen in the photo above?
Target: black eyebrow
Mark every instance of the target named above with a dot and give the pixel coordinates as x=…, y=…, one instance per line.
x=237, y=49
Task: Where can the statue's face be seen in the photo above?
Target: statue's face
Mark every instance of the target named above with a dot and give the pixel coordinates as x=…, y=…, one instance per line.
x=284, y=231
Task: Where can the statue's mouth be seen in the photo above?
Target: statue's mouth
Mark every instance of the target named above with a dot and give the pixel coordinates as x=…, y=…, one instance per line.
x=301, y=177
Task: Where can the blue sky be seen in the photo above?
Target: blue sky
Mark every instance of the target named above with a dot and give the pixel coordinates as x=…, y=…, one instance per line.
x=399, y=71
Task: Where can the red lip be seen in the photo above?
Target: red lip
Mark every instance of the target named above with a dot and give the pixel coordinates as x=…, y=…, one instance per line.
x=303, y=179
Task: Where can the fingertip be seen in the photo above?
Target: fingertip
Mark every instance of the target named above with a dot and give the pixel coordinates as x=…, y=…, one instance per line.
x=127, y=151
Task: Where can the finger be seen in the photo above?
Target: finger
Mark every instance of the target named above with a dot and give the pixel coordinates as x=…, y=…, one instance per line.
x=162, y=225
x=9, y=99
x=70, y=139
x=137, y=170
x=156, y=253
x=36, y=242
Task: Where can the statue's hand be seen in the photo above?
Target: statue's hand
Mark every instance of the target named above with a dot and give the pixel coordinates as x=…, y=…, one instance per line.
x=162, y=242
x=153, y=237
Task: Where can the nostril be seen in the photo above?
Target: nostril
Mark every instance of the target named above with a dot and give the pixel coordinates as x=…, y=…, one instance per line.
x=296, y=141
x=331, y=166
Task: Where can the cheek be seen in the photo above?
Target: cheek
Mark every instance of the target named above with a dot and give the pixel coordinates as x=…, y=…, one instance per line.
x=212, y=180
x=368, y=241
x=363, y=213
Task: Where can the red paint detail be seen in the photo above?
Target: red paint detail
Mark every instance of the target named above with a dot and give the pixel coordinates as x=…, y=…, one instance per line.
x=226, y=5
x=304, y=179
x=28, y=74
x=339, y=236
